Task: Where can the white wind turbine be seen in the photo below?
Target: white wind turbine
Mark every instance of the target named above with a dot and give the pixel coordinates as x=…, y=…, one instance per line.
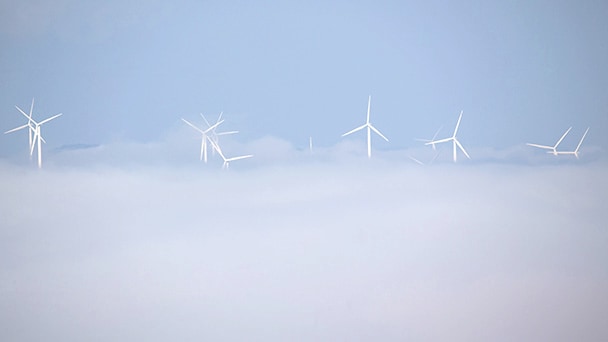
x=554, y=147
x=575, y=152
x=37, y=139
x=227, y=161
x=215, y=135
x=417, y=161
x=369, y=127
x=205, y=136
x=431, y=140
x=453, y=139
x=28, y=124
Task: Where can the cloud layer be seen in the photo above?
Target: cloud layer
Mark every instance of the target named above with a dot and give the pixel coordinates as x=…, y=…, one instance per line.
x=315, y=251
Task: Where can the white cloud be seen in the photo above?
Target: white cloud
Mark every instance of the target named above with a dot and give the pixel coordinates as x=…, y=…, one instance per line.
x=312, y=251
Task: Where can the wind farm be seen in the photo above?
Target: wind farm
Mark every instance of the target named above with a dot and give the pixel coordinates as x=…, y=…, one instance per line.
x=210, y=138
x=216, y=175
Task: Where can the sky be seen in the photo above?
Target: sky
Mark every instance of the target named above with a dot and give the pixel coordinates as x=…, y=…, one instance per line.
x=125, y=235
x=522, y=71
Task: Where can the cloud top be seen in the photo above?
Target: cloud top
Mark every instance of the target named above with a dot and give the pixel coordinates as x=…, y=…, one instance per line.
x=319, y=251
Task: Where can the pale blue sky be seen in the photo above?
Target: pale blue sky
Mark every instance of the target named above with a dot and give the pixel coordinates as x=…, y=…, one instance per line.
x=522, y=71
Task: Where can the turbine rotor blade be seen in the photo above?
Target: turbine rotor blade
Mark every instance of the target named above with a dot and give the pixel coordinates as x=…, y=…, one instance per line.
x=213, y=127
x=369, y=103
x=540, y=146
x=17, y=128
x=377, y=132
x=27, y=116
x=227, y=133
x=354, y=130
x=205, y=119
x=416, y=160
x=562, y=138
x=32, y=107
x=49, y=119
x=457, y=124
x=436, y=133
x=439, y=141
x=191, y=125
x=581, y=142
x=239, y=158
x=217, y=148
x=462, y=148
x=435, y=157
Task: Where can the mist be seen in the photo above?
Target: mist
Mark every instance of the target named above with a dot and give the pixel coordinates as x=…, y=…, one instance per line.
x=324, y=251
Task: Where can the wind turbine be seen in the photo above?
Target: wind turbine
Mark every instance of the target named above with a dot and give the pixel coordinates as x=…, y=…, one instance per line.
x=553, y=148
x=417, y=161
x=204, y=136
x=369, y=127
x=453, y=139
x=37, y=139
x=227, y=161
x=28, y=124
x=575, y=152
x=215, y=135
x=431, y=140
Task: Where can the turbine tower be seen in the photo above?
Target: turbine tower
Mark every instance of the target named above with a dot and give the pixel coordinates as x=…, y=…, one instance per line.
x=453, y=139
x=38, y=135
x=310, y=144
x=554, y=147
x=370, y=128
